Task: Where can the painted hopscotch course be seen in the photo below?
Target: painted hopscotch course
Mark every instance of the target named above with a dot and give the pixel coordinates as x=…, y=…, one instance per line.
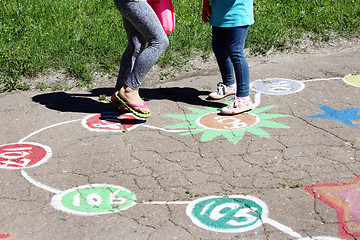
x=232, y=214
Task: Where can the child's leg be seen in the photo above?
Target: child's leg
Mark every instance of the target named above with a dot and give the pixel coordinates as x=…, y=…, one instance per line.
x=142, y=25
x=136, y=44
x=236, y=48
x=220, y=45
x=145, y=25
x=242, y=102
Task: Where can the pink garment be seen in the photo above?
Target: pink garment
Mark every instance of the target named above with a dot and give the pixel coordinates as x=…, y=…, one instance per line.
x=164, y=9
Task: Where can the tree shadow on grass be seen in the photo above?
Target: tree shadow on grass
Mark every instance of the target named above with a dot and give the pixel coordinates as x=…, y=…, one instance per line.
x=89, y=102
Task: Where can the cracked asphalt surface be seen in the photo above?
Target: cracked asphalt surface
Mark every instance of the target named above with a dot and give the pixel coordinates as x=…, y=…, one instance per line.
x=172, y=159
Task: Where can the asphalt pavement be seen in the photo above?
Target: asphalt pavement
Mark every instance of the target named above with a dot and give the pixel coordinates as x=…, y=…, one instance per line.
x=73, y=167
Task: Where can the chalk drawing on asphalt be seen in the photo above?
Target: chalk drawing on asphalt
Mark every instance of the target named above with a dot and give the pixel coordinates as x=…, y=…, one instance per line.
x=45, y=128
x=111, y=122
x=345, y=199
x=232, y=214
x=39, y=184
x=94, y=199
x=23, y=155
x=320, y=238
x=6, y=235
x=97, y=199
x=343, y=116
x=353, y=79
x=210, y=124
x=277, y=86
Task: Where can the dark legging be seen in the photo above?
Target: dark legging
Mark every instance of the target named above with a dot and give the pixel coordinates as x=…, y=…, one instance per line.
x=141, y=25
x=228, y=46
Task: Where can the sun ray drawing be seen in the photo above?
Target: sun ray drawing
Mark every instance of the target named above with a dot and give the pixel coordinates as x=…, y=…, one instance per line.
x=211, y=124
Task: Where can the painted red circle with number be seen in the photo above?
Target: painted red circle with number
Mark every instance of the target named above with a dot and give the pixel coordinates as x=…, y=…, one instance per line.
x=23, y=155
x=109, y=122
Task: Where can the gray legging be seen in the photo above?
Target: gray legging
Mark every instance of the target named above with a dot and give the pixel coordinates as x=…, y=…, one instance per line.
x=141, y=25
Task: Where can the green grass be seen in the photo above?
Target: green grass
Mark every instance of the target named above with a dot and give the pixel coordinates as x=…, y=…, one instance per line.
x=87, y=36
x=282, y=23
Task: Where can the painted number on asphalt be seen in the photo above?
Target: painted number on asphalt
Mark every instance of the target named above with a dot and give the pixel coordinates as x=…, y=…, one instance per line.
x=94, y=199
x=228, y=123
x=23, y=155
x=110, y=122
x=277, y=86
x=232, y=122
x=233, y=214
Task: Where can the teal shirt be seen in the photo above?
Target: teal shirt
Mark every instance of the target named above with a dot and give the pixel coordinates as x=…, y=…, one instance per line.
x=231, y=13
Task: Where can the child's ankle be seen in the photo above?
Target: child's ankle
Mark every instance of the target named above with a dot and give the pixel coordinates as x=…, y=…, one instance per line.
x=244, y=98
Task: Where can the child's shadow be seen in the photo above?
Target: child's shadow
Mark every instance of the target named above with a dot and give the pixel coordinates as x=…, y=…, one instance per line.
x=89, y=103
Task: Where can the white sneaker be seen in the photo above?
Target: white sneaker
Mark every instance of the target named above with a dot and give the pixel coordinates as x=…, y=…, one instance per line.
x=238, y=105
x=222, y=91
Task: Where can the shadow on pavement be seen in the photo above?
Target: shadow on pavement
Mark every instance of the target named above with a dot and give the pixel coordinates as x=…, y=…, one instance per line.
x=85, y=102
x=69, y=102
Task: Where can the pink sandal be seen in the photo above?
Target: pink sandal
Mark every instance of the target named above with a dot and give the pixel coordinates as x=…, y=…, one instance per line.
x=117, y=103
x=129, y=106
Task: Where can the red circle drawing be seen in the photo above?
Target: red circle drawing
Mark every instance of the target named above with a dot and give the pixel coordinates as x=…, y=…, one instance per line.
x=111, y=122
x=23, y=155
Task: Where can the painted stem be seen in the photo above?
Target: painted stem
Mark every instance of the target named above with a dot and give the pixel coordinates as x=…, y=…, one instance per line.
x=282, y=228
x=39, y=184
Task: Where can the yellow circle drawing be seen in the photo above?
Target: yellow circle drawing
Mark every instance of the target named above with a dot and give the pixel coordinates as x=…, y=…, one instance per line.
x=353, y=79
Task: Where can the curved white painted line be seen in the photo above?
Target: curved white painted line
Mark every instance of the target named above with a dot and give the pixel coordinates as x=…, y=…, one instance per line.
x=39, y=184
x=320, y=79
x=163, y=129
x=320, y=238
x=45, y=128
x=166, y=203
x=25, y=175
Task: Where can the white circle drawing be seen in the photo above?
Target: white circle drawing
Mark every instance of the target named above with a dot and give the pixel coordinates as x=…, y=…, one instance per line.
x=277, y=86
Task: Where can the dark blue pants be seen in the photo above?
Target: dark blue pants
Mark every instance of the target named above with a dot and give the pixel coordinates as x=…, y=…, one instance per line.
x=228, y=46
